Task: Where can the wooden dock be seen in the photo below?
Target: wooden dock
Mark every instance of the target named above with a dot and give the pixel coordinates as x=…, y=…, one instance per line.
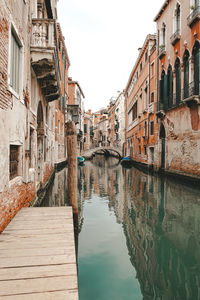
x=37, y=256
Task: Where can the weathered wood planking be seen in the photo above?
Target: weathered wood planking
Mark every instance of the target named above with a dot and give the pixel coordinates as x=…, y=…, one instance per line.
x=37, y=256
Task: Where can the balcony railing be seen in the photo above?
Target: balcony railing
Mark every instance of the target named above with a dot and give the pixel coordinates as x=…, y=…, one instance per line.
x=162, y=51
x=195, y=14
x=43, y=33
x=191, y=91
x=175, y=37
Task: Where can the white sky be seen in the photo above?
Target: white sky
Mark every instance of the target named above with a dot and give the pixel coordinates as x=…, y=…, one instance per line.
x=102, y=40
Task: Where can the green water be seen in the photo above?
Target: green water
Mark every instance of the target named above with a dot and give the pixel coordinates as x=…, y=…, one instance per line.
x=139, y=235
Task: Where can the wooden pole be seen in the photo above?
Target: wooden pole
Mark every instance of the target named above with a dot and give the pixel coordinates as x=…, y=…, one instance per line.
x=72, y=174
x=72, y=164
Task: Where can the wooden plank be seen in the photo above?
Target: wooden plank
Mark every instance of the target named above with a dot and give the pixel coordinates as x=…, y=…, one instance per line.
x=35, y=237
x=36, y=252
x=15, y=287
x=38, y=272
x=37, y=260
x=20, y=224
x=37, y=256
x=32, y=244
x=58, y=295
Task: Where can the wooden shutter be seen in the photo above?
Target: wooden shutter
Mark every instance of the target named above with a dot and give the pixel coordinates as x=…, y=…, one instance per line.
x=178, y=84
x=186, y=77
x=165, y=92
x=196, y=72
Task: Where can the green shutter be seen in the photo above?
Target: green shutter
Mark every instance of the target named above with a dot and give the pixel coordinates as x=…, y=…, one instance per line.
x=160, y=94
x=178, y=84
x=186, y=78
x=196, y=72
x=165, y=92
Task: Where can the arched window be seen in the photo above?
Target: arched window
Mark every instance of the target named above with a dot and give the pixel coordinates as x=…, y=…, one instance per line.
x=178, y=80
x=170, y=86
x=196, y=54
x=177, y=18
x=186, y=74
x=161, y=91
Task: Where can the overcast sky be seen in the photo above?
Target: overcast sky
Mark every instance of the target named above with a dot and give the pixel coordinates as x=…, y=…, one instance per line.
x=102, y=40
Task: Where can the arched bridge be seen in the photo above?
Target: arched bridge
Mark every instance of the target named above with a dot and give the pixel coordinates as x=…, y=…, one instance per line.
x=103, y=149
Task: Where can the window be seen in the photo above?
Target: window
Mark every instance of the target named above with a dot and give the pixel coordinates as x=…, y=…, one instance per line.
x=14, y=63
x=58, y=126
x=146, y=100
x=140, y=66
x=152, y=97
x=178, y=80
x=169, y=101
x=63, y=55
x=59, y=45
x=146, y=56
x=14, y=161
x=85, y=128
x=177, y=19
x=134, y=111
x=196, y=57
x=152, y=128
x=145, y=128
x=63, y=104
x=139, y=149
x=186, y=74
x=145, y=150
x=152, y=69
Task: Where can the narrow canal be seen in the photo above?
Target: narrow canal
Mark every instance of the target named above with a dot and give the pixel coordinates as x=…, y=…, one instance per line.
x=139, y=235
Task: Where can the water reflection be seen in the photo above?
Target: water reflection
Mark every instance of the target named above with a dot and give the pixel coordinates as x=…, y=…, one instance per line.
x=161, y=224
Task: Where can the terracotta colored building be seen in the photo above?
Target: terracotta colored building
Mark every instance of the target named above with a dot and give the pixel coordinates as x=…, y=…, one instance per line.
x=75, y=109
x=140, y=105
x=178, y=87
x=60, y=107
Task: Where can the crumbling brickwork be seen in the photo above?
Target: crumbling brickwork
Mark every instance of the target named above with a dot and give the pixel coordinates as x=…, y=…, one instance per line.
x=11, y=202
x=5, y=95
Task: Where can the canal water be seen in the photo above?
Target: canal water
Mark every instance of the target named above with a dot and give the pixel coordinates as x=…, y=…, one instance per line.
x=139, y=235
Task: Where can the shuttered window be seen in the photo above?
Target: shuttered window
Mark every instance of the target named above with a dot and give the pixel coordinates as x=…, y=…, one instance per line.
x=170, y=86
x=14, y=161
x=196, y=54
x=14, y=63
x=178, y=81
x=186, y=75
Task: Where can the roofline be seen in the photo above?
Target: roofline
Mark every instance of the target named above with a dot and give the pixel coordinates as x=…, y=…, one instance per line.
x=161, y=10
x=148, y=38
x=62, y=37
x=76, y=82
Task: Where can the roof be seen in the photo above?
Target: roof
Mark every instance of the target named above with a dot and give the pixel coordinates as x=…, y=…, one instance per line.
x=161, y=10
x=148, y=38
x=76, y=82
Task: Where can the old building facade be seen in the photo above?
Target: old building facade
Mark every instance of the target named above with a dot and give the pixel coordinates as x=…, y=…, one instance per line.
x=140, y=105
x=30, y=86
x=178, y=85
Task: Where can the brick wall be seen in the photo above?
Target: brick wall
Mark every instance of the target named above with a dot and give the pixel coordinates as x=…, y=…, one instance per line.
x=5, y=95
x=11, y=202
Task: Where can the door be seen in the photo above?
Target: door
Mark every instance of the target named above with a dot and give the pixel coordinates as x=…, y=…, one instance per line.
x=162, y=153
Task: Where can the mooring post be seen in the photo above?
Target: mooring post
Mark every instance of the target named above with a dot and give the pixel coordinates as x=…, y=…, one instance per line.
x=72, y=167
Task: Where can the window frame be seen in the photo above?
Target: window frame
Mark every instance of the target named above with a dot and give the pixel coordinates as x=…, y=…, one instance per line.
x=14, y=32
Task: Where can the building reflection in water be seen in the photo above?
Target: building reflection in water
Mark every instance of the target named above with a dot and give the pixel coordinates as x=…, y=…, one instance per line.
x=161, y=222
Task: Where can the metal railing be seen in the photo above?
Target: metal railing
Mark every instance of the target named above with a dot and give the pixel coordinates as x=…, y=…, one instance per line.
x=193, y=15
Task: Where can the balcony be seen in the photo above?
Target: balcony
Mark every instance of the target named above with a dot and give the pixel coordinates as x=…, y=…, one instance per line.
x=151, y=108
x=190, y=93
x=162, y=51
x=194, y=16
x=44, y=58
x=175, y=37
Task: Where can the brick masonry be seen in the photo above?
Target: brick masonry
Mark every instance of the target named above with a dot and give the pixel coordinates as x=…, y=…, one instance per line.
x=11, y=202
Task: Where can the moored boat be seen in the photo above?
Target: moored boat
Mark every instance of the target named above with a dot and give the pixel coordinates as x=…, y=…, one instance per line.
x=81, y=160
